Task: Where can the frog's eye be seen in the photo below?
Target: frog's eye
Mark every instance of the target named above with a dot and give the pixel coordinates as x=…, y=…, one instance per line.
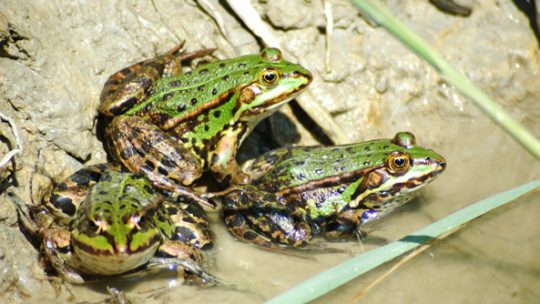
x=269, y=77
x=398, y=162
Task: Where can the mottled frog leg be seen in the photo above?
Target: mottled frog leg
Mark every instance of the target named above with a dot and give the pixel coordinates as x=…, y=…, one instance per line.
x=175, y=253
x=55, y=241
x=345, y=225
x=191, y=224
x=132, y=85
x=143, y=148
x=222, y=161
x=259, y=218
x=66, y=197
x=51, y=240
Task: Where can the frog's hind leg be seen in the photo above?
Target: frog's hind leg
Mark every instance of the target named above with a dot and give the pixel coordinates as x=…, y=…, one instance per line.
x=133, y=84
x=191, y=224
x=258, y=218
x=66, y=197
x=143, y=148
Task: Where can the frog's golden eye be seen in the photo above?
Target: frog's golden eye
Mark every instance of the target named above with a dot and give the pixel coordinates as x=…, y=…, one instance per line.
x=269, y=77
x=398, y=162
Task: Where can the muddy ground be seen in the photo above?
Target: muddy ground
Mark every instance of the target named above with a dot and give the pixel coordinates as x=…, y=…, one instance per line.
x=56, y=55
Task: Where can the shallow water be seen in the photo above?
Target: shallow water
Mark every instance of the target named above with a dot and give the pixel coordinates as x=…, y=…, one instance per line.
x=493, y=259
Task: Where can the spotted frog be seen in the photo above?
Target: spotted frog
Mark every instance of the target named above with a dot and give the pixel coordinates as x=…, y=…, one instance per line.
x=104, y=222
x=172, y=126
x=301, y=191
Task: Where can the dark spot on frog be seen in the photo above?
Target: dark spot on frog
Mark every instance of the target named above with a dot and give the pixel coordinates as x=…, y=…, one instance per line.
x=335, y=149
x=366, y=163
x=299, y=162
x=385, y=147
x=200, y=88
x=242, y=65
x=102, y=192
x=123, y=206
x=226, y=78
x=63, y=203
x=193, y=141
x=172, y=210
x=184, y=234
x=167, y=162
x=203, y=71
x=249, y=235
x=301, y=176
x=188, y=219
x=222, y=65
x=206, y=128
x=214, y=91
x=149, y=164
x=217, y=113
x=174, y=84
x=62, y=187
x=166, y=97
x=235, y=220
x=246, y=73
x=84, y=178
x=162, y=171
x=181, y=107
x=318, y=171
x=214, y=159
x=193, y=101
x=341, y=189
x=148, y=107
x=189, y=73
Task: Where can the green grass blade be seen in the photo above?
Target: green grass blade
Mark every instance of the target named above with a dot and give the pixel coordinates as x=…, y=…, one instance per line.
x=343, y=273
x=493, y=110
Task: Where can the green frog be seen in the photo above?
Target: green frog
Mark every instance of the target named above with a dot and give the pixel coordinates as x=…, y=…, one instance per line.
x=172, y=126
x=104, y=222
x=301, y=191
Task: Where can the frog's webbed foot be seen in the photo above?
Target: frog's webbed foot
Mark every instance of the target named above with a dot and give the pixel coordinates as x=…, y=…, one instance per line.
x=117, y=296
x=145, y=149
x=175, y=253
x=259, y=218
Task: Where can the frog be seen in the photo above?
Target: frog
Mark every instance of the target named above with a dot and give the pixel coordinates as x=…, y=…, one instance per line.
x=172, y=126
x=333, y=191
x=104, y=222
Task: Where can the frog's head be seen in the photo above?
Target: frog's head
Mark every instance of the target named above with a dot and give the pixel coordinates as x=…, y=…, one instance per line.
x=404, y=168
x=115, y=224
x=272, y=81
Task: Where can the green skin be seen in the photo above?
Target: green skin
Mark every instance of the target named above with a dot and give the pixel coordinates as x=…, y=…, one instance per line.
x=300, y=191
x=171, y=126
x=103, y=222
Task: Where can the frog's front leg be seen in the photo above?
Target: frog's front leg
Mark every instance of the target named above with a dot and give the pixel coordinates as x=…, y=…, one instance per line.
x=131, y=85
x=55, y=242
x=347, y=223
x=143, y=148
x=175, y=253
x=222, y=159
x=259, y=218
x=52, y=241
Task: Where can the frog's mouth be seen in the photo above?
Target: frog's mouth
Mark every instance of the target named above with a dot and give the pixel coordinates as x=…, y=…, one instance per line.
x=393, y=191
